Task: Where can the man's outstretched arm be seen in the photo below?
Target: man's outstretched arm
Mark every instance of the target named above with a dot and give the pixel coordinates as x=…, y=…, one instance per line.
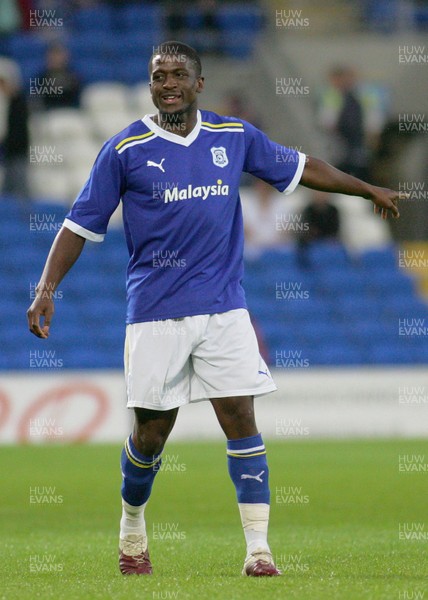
x=63, y=254
x=319, y=175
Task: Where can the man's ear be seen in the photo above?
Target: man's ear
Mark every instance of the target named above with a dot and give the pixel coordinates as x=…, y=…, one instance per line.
x=201, y=83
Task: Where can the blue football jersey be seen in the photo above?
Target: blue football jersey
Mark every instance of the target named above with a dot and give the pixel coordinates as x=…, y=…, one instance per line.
x=181, y=210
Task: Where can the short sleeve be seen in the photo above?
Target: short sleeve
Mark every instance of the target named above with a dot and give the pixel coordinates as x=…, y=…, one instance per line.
x=278, y=165
x=99, y=197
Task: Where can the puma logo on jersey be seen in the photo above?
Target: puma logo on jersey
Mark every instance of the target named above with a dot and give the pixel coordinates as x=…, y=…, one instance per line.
x=151, y=163
x=256, y=477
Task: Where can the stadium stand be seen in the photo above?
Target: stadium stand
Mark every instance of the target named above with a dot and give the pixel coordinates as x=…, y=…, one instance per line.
x=349, y=313
x=109, y=47
x=112, y=44
x=346, y=310
x=351, y=305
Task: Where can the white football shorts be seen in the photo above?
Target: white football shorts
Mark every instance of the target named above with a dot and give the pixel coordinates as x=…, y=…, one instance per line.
x=172, y=362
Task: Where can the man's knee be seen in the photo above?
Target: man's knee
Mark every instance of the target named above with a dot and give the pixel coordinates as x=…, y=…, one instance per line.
x=151, y=430
x=148, y=443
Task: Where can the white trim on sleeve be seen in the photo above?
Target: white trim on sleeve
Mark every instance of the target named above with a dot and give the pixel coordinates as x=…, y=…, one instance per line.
x=89, y=235
x=297, y=175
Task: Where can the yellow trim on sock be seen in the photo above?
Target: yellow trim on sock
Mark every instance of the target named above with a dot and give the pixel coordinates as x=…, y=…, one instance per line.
x=134, y=462
x=245, y=455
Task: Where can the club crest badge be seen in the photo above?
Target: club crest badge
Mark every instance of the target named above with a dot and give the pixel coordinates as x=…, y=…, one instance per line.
x=219, y=156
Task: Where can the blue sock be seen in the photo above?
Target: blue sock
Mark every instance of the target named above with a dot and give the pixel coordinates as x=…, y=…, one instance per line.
x=248, y=469
x=138, y=472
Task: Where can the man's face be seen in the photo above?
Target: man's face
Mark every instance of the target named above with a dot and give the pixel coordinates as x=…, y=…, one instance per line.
x=174, y=83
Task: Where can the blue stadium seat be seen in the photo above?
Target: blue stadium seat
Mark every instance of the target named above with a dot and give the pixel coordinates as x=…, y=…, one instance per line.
x=354, y=305
x=421, y=17
x=193, y=18
x=14, y=230
x=97, y=44
x=10, y=209
x=405, y=306
x=31, y=68
x=384, y=353
x=27, y=46
x=4, y=46
x=366, y=328
x=277, y=333
x=91, y=358
x=279, y=283
x=92, y=19
x=381, y=15
x=262, y=309
x=281, y=259
x=328, y=254
x=104, y=312
x=134, y=45
x=92, y=70
x=131, y=69
x=335, y=353
x=320, y=331
x=389, y=282
x=338, y=282
x=144, y=18
x=314, y=308
x=418, y=348
x=237, y=45
x=15, y=358
x=254, y=266
x=383, y=258
x=240, y=17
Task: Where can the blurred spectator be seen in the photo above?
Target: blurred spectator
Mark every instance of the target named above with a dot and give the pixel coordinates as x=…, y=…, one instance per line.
x=353, y=113
x=321, y=216
x=261, y=203
x=15, y=141
x=25, y=8
x=236, y=104
x=323, y=222
x=375, y=100
x=341, y=115
x=387, y=16
x=62, y=78
x=262, y=206
x=10, y=17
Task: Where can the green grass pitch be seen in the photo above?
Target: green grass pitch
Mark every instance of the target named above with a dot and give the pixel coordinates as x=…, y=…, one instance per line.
x=337, y=507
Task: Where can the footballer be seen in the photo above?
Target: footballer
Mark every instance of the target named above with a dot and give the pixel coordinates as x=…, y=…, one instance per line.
x=177, y=174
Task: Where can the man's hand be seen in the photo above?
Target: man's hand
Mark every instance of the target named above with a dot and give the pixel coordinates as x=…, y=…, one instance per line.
x=385, y=201
x=42, y=306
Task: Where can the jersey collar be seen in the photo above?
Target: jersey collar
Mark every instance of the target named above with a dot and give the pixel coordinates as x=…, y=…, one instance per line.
x=173, y=137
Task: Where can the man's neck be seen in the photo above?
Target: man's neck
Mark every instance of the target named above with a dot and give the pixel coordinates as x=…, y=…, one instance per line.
x=179, y=123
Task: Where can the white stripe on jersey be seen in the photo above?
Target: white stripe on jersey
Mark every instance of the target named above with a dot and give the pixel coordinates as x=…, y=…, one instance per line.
x=234, y=130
